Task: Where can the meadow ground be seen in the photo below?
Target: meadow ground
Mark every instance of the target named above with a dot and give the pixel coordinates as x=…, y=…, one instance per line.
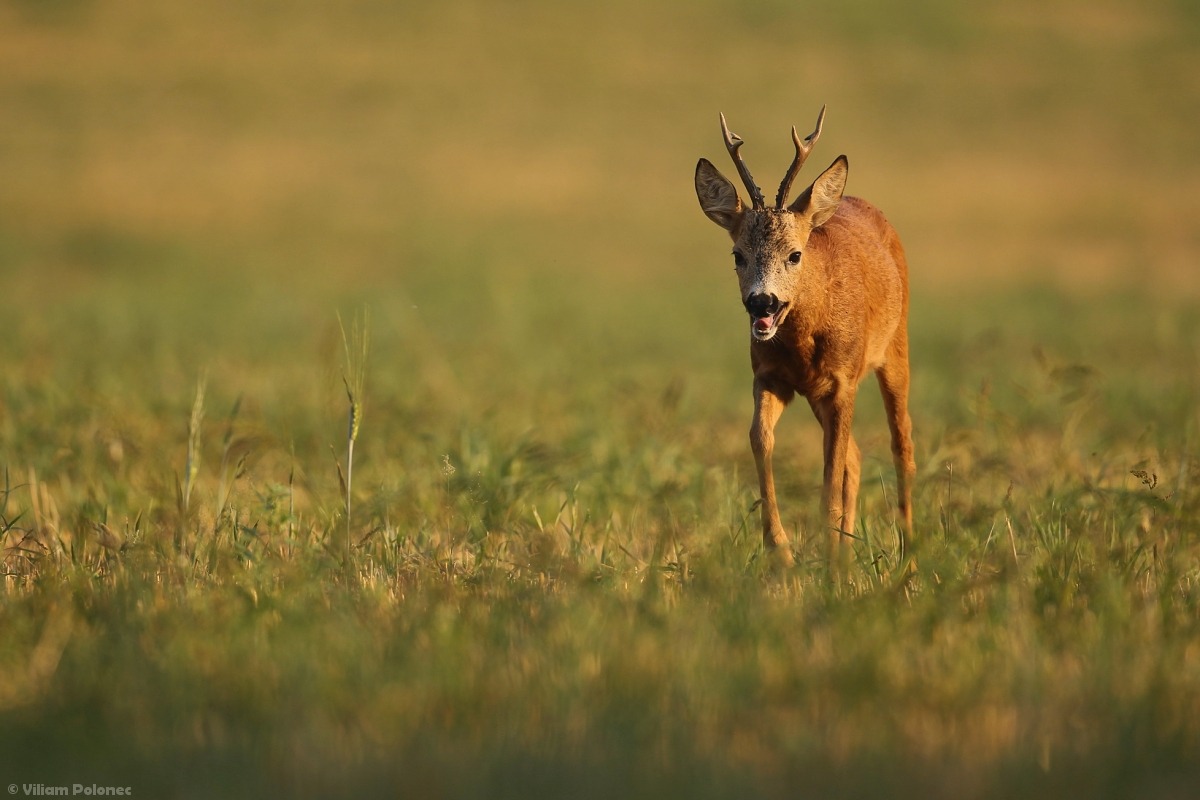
x=549, y=582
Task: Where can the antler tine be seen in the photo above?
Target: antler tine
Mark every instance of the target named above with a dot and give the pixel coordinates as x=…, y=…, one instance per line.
x=732, y=143
x=803, y=148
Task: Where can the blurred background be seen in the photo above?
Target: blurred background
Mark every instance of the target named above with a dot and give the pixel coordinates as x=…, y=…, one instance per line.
x=204, y=186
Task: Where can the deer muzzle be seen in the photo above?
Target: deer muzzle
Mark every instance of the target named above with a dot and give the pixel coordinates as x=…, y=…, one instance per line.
x=766, y=311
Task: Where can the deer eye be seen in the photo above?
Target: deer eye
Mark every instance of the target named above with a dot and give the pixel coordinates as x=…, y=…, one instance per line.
x=739, y=260
x=794, y=258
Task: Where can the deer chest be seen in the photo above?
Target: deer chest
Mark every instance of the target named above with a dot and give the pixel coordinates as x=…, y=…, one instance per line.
x=801, y=365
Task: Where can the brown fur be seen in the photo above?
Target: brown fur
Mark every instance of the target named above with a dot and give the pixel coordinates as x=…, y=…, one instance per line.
x=847, y=315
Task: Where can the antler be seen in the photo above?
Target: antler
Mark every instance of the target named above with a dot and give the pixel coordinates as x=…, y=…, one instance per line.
x=732, y=143
x=803, y=148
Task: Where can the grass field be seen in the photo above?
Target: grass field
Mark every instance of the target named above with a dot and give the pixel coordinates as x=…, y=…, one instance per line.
x=550, y=581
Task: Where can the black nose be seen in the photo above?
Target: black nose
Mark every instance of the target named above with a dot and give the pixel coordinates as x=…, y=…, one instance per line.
x=761, y=305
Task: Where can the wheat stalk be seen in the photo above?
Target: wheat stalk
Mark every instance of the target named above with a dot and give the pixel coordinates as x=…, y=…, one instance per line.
x=192, y=467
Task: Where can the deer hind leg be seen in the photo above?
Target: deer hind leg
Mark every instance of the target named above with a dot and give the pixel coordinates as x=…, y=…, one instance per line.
x=768, y=406
x=893, y=384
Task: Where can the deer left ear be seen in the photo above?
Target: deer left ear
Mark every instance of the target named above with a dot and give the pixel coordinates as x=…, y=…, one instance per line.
x=819, y=201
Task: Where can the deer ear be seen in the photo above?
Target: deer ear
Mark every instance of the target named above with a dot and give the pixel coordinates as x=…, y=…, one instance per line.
x=718, y=199
x=819, y=201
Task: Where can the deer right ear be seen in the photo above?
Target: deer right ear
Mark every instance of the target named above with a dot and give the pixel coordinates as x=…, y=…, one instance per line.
x=718, y=199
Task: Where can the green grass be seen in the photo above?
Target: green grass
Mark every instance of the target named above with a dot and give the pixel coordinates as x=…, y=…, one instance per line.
x=555, y=584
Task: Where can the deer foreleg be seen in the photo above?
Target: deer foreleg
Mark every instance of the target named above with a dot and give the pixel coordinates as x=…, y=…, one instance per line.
x=839, y=489
x=768, y=406
x=850, y=481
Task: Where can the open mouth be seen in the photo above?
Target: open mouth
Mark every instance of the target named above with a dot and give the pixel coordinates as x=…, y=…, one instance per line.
x=763, y=328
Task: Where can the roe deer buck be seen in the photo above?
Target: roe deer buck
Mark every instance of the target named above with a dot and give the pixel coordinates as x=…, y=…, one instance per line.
x=826, y=284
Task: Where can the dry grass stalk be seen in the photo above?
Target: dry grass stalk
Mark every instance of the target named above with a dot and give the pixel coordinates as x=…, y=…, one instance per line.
x=355, y=346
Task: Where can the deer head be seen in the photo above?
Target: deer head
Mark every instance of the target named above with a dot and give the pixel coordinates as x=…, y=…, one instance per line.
x=769, y=243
